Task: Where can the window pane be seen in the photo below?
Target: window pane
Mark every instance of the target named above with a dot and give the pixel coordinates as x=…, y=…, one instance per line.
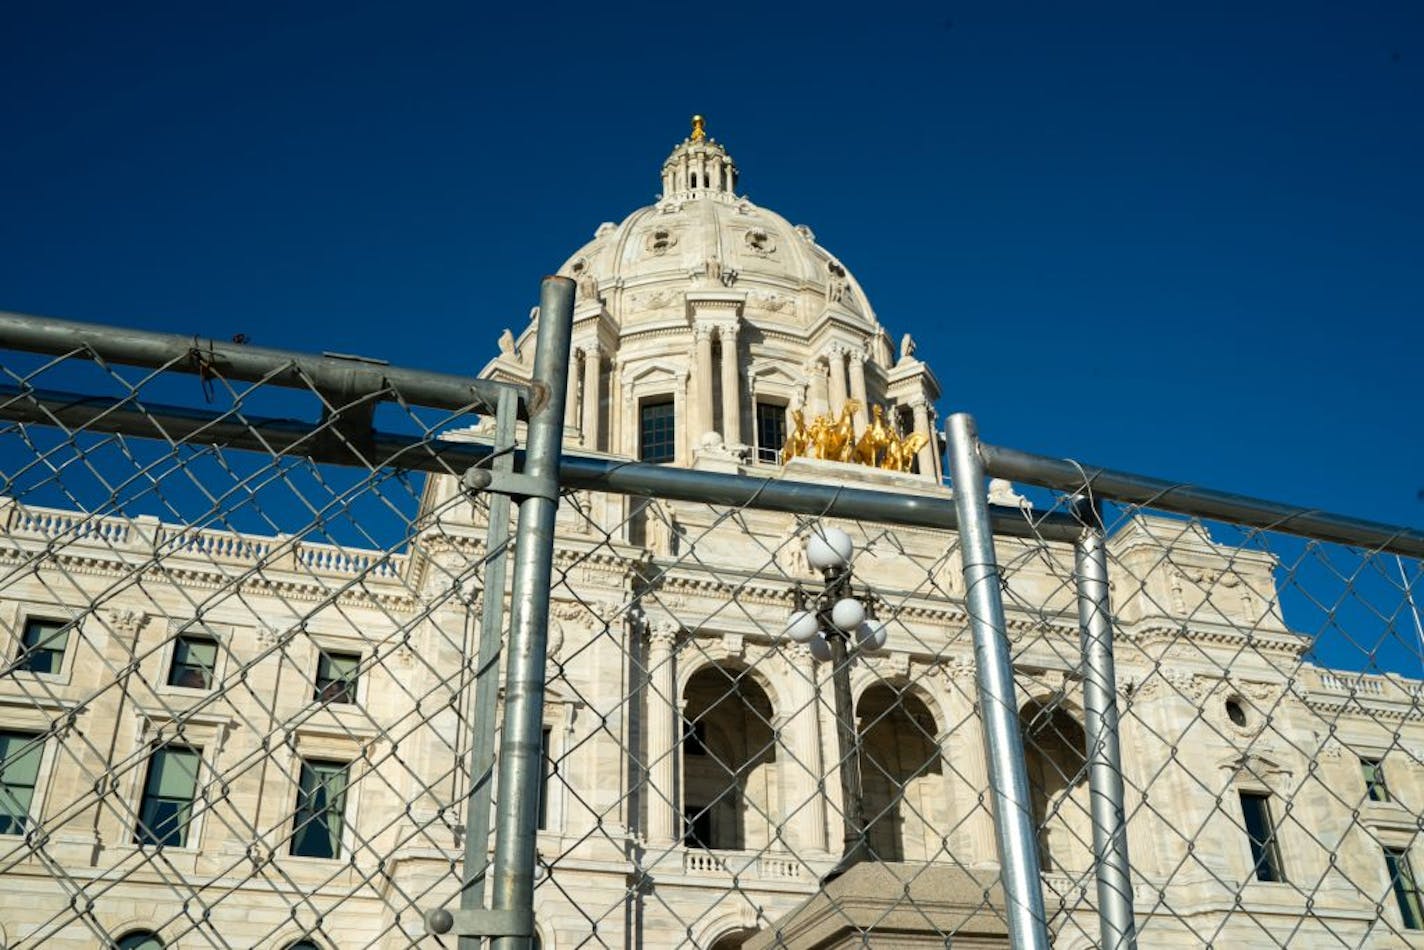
x=167, y=806
x=194, y=659
x=657, y=433
x=1265, y=859
x=43, y=645
x=321, y=809
x=336, y=675
x=1406, y=890
x=1373, y=772
x=771, y=431
x=19, y=768
x=139, y=940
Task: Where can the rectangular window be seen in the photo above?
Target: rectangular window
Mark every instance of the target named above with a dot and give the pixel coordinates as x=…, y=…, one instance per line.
x=42, y=646
x=336, y=677
x=167, y=807
x=19, y=769
x=545, y=772
x=1406, y=889
x=1373, y=772
x=194, y=659
x=697, y=826
x=1265, y=852
x=321, y=810
x=657, y=432
x=770, y=431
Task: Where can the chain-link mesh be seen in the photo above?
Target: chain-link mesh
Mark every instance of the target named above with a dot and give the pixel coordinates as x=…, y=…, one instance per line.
x=1271, y=736
x=238, y=687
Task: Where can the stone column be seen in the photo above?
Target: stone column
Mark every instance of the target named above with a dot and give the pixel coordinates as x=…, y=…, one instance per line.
x=857, y=388
x=571, y=410
x=966, y=769
x=681, y=440
x=592, y=366
x=928, y=456
x=835, y=359
x=819, y=399
x=702, y=420
x=731, y=390
x=662, y=736
x=800, y=762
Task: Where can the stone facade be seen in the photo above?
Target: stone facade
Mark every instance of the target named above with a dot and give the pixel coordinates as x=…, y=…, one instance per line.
x=725, y=311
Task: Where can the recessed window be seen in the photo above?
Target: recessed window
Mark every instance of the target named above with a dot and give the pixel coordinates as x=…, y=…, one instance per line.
x=166, y=811
x=770, y=431
x=1373, y=772
x=1236, y=712
x=546, y=770
x=139, y=940
x=42, y=645
x=694, y=738
x=1406, y=888
x=19, y=770
x=336, y=676
x=304, y=945
x=1265, y=852
x=657, y=432
x=194, y=659
x=697, y=826
x=321, y=810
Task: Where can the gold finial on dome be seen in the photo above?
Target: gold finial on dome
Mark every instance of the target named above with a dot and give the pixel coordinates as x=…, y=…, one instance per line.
x=698, y=131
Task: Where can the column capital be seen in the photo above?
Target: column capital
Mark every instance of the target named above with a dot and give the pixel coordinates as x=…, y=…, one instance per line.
x=663, y=634
x=702, y=331
x=857, y=354
x=836, y=350
x=727, y=328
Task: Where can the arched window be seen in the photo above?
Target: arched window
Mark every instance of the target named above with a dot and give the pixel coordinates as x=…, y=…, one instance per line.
x=902, y=775
x=304, y=944
x=728, y=762
x=1055, y=753
x=139, y=940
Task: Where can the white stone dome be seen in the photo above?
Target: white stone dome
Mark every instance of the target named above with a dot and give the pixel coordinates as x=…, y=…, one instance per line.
x=706, y=326
x=702, y=235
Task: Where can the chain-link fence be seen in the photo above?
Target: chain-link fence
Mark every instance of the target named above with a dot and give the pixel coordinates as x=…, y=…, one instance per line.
x=263, y=675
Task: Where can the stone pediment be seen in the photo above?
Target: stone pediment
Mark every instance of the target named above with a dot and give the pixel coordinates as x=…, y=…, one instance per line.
x=895, y=905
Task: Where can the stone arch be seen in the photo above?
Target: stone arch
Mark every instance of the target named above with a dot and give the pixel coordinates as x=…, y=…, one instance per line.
x=729, y=929
x=1055, y=757
x=728, y=746
x=902, y=772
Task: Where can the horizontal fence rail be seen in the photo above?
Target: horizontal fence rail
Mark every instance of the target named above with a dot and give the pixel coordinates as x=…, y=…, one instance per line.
x=256, y=690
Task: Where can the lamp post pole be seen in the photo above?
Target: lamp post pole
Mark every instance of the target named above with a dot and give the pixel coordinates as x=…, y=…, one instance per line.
x=833, y=624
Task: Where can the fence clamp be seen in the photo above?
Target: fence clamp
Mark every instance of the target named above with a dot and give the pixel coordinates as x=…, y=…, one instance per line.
x=480, y=923
x=513, y=484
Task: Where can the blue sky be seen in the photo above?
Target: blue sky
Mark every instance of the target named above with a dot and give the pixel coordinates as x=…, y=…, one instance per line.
x=1185, y=240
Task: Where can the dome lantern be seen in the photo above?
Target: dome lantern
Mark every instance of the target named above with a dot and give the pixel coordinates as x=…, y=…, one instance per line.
x=699, y=166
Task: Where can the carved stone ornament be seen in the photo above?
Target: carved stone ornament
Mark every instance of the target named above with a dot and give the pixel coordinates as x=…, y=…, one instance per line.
x=770, y=301
x=126, y=622
x=663, y=634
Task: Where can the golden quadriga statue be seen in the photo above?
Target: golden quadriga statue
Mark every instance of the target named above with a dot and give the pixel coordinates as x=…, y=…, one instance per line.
x=833, y=439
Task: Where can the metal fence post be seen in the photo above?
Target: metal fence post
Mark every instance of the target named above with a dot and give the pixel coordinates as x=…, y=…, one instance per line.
x=998, y=706
x=477, y=814
x=520, y=751
x=1116, y=923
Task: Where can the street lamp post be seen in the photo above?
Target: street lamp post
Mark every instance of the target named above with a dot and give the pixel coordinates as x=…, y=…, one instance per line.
x=834, y=622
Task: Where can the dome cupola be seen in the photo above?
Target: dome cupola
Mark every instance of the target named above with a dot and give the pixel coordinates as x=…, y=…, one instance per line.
x=699, y=166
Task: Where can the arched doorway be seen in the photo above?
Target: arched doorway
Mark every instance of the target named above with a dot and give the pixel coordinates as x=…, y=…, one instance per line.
x=728, y=761
x=901, y=774
x=1056, y=760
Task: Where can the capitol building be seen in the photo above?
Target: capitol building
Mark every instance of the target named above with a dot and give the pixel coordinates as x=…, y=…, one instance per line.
x=249, y=739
